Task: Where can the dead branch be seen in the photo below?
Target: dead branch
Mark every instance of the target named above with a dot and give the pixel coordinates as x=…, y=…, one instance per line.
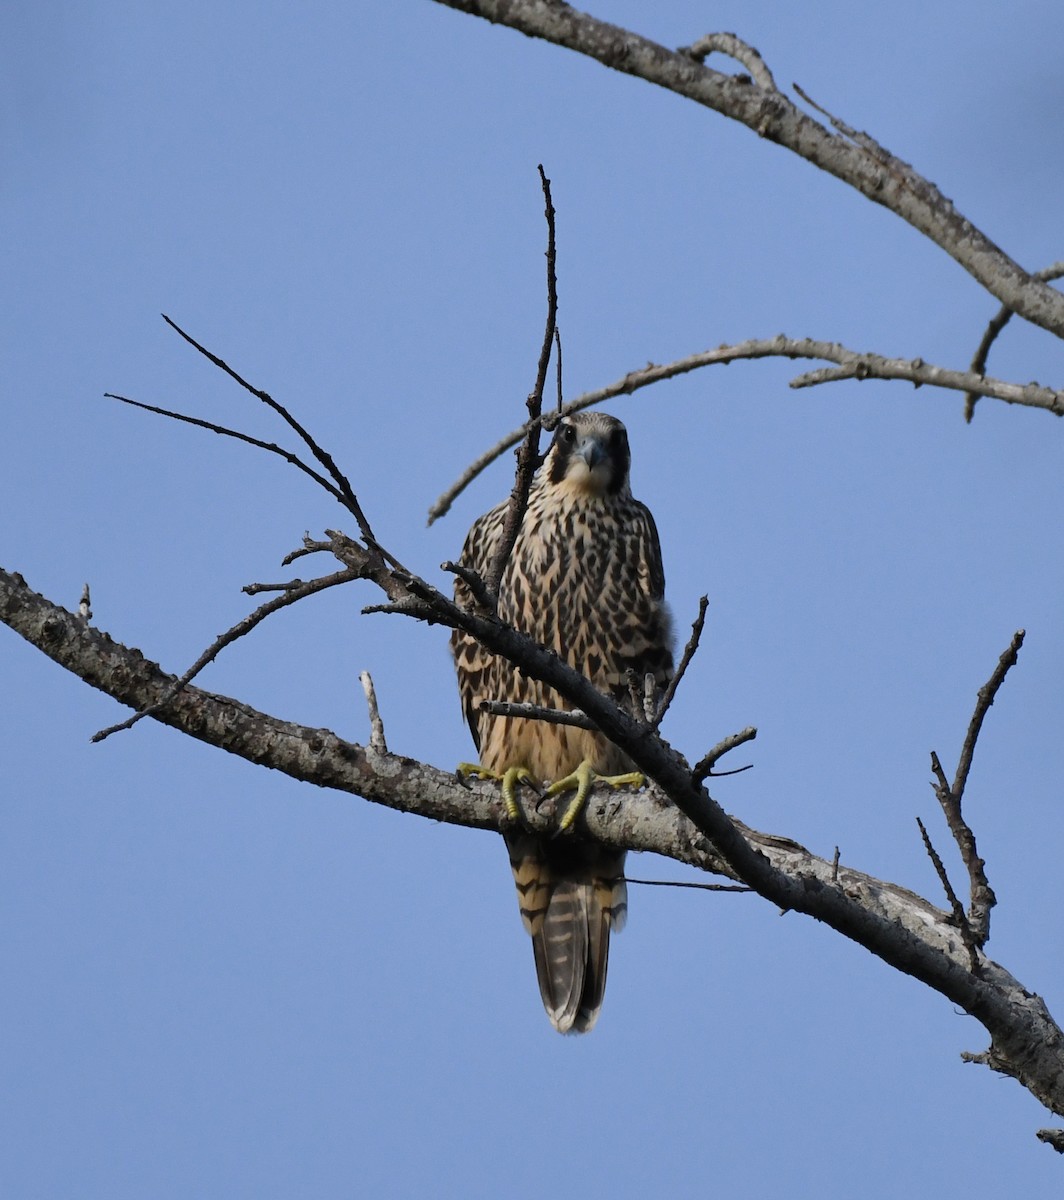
x=733, y=47
x=528, y=459
x=903, y=929
x=290, y=596
x=704, y=767
x=951, y=896
x=880, y=177
x=534, y=712
x=685, y=661
x=343, y=486
x=377, y=742
x=951, y=796
x=702, y=887
x=225, y=431
x=993, y=330
x=853, y=364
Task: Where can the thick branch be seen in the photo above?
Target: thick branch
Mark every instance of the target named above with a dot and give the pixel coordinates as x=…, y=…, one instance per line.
x=857, y=160
x=905, y=930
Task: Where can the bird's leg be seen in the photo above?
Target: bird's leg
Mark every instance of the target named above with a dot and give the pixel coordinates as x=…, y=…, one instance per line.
x=509, y=779
x=583, y=779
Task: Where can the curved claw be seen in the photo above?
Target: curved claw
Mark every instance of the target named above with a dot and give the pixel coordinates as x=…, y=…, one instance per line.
x=509, y=779
x=583, y=779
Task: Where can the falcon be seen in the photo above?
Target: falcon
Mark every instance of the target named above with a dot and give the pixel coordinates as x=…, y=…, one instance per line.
x=585, y=580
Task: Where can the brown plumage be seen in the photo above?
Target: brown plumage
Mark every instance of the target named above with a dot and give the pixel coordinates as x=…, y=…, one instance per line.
x=584, y=579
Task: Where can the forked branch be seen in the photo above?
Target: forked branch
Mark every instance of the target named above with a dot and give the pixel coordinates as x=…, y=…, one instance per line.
x=951, y=796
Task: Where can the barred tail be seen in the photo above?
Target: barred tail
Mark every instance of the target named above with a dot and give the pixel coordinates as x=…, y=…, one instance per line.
x=571, y=895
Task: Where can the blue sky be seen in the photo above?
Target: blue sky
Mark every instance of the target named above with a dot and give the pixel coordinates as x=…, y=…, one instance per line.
x=221, y=983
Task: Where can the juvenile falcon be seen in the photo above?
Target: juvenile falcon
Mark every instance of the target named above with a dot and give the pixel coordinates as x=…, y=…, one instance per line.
x=585, y=580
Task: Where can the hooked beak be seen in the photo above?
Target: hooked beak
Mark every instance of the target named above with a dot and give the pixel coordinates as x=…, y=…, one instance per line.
x=592, y=451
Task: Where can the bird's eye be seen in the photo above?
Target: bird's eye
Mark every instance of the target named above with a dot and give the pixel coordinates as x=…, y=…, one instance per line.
x=567, y=433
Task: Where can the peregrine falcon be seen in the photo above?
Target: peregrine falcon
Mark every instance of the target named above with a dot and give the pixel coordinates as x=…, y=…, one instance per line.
x=585, y=580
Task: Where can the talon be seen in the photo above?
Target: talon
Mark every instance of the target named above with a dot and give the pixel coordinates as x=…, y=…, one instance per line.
x=512, y=776
x=509, y=779
x=583, y=779
x=464, y=770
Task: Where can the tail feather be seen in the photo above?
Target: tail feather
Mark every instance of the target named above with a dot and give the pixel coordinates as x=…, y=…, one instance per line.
x=571, y=895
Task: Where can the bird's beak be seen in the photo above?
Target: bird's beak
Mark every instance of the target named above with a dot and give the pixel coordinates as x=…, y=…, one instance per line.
x=592, y=451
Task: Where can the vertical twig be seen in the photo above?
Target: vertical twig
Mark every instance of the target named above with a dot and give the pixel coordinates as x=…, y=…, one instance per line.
x=528, y=455
x=685, y=660
x=558, y=364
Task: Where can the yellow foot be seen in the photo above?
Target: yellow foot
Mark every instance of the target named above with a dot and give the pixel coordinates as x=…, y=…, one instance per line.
x=583, y=779
x=509, y=779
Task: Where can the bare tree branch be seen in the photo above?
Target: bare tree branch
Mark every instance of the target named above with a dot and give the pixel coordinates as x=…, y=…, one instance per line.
x=853, y=364
x=951, y=796
x=558, y=368
x=993, y=331
x=685, y=661
x=534, y=712
x=292, y=593
x=682, y=883
x=704, y=767
x=377, y=742
x=955, y=905
x=734, y=47
x=903, y=929
x=528, y=457
x=225, y=431
x=876, y=173
x=343, y=486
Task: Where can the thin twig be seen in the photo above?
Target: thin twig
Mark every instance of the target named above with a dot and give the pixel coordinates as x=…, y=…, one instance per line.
x=256, y=589
x=702, y=887
x=310, y=546
x=473, y=581
x=85, y=604
x=951, y=796
x=558, y=365
x=528, y=456
x=859, y=365
x=534, y=712
x=704, y=767
x=985, y=699
x=410, y=607
x=685, y=660
x=376, y=725
x=835, y=866
x=993, y=330
x=956, y=907
x=343, y=486
x=231, y=635
x=864, y=140
x=733, y=47
x=272, y=447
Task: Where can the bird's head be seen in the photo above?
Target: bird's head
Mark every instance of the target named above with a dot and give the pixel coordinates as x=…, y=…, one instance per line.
x=589, y=454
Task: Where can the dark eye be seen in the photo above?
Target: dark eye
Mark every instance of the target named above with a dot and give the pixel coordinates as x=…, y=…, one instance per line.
x=566, y=434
